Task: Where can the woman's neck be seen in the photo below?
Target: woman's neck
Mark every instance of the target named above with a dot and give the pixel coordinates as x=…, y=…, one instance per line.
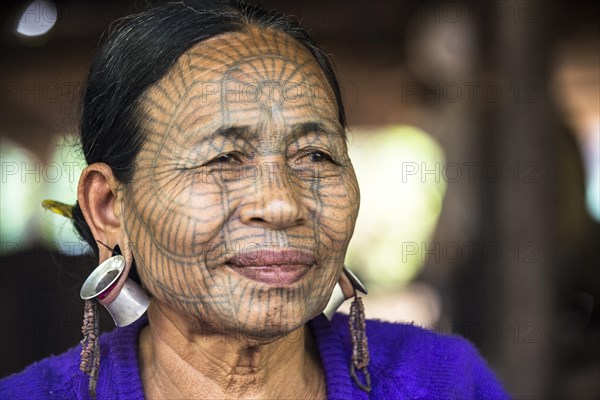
x=177, y=362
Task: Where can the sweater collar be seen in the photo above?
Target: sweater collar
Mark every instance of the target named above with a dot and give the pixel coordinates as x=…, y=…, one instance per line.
x=333, y=357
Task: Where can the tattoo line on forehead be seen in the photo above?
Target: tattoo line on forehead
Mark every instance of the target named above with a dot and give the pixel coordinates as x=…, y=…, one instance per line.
x=271, y=43
x=242, y=133
x=248, y=134
x=167, y=123
x=230, y=46
x=216, y=55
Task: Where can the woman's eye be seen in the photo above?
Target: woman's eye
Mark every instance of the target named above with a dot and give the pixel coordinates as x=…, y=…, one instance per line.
x=318, y=156
x=226, y=159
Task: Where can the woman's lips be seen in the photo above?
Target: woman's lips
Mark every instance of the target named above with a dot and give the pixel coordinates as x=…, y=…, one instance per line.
x=274, y=274
x=273, y=267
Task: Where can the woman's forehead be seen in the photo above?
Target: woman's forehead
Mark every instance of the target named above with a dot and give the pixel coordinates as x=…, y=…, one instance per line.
x=242, y=79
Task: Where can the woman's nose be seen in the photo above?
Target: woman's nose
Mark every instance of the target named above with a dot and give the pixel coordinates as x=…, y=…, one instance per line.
x=273, y=201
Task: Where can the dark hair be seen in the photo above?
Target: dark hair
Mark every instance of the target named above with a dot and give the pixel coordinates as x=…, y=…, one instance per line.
x=138, y=53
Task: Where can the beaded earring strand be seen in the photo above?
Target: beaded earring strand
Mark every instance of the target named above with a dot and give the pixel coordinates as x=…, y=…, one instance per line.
x=90, y=345
x=360, y=347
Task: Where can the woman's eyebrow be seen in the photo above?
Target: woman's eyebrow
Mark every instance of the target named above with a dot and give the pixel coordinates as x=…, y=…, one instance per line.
x=304, y=128
x=231, y=132
x=298, y=130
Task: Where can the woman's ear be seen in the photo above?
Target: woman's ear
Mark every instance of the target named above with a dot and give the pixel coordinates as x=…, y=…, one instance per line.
x=97, y=196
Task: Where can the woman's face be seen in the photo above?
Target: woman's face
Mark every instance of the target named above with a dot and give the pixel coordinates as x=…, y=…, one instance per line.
x=244, y=198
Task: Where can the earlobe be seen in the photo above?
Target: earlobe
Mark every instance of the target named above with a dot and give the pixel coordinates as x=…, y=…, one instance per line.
x=346, y=285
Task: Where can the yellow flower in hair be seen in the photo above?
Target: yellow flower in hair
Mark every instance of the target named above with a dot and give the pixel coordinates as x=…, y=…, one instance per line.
x=59, y=208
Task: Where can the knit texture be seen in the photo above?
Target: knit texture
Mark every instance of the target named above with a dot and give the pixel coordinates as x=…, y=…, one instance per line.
x=407, y=362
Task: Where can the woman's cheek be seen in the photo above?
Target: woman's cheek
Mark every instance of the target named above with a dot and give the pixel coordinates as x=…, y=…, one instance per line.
x=336, y=207
x=186, y=217
x=170, y=247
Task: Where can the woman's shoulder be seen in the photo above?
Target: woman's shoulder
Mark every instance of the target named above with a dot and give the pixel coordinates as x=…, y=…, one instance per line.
x=411, y=341
x=59, y=377
x=425, y=362
x=408, y=343
x=414, y=344
x=55, y=377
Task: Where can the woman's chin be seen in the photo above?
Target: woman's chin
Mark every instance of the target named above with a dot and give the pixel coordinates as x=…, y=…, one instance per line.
x=263, y=328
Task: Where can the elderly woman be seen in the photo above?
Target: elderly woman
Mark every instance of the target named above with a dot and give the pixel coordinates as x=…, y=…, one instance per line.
x=218, y=172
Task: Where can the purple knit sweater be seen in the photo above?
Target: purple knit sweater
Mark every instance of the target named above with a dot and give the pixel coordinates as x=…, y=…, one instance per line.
x=407, y=362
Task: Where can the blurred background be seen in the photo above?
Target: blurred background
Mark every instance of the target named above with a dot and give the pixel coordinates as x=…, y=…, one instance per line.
x=474, y=131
